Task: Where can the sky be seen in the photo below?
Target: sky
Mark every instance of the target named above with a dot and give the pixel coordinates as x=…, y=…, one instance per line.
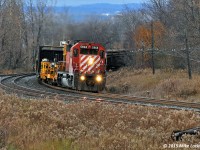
x=82, y=2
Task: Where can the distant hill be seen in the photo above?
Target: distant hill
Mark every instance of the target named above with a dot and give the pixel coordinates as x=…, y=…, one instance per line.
x=81, y=12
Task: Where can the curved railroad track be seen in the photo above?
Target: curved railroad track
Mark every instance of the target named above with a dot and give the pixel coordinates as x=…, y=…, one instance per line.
x=10, y=83
x=119, y=98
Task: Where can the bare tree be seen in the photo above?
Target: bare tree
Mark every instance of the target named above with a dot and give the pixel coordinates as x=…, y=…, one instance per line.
x=130, y=19
x=36, y=14
x=11, y=33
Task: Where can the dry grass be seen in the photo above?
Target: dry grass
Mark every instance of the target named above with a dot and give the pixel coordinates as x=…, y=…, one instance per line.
x=18, y=70
x=53, y=125
x=167, y=84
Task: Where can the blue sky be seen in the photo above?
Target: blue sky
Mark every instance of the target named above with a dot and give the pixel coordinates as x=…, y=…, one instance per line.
x=81, y=2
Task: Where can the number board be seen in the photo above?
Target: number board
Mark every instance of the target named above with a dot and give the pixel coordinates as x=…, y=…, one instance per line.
x=95, y=47
x=83, y=46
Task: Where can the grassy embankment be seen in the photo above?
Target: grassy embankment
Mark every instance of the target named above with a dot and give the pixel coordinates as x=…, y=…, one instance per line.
x=10, y=71
x=164, y=84
x=54, y=125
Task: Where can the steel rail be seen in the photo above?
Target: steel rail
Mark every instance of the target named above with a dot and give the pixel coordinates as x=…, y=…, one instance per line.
x=13, y=86
x=134, y=99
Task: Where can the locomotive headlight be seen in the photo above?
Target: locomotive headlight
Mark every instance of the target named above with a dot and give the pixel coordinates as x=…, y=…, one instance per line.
x=82, y=77
x=90, y=61
x=98, y=78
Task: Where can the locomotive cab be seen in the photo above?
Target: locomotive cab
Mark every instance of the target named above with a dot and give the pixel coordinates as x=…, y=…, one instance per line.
x=85, y=64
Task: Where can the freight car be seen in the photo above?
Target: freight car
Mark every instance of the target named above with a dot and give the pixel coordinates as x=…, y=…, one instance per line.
x=117, y=58
x=79, y=65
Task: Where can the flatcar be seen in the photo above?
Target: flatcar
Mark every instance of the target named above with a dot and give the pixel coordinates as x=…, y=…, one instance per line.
x=79, y=65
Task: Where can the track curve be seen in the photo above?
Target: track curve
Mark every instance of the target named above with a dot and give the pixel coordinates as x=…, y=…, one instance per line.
x=138, y=100
x=10, y=83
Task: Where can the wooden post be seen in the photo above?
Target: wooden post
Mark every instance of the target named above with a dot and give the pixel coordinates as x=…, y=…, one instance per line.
x=188, y=55
x=152, y=48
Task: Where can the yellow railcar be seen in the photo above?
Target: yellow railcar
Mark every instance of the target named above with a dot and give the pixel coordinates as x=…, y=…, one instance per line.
x=48, y=71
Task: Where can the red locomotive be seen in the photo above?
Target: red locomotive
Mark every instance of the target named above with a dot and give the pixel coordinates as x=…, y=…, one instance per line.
x=80, y=66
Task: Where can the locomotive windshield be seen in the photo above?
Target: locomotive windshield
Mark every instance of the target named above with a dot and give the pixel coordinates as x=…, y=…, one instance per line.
x=89, y=51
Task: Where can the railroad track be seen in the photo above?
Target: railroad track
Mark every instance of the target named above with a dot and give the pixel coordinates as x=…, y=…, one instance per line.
x=10, y=84
x=119, y=98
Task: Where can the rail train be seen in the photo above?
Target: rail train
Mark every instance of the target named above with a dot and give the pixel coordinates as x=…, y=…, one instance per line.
x=76, y=65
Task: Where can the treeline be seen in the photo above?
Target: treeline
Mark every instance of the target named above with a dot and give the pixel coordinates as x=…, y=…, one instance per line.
x=22, y=30
x=175, y=35
x=167, y=29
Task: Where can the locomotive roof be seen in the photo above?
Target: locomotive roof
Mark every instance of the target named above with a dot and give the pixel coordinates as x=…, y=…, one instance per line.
x=49, y=47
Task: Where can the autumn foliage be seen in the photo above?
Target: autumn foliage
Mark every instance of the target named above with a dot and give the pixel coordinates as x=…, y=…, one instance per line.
x=143, y=35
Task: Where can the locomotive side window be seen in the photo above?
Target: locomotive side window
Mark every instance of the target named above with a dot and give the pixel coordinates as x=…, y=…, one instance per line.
x=102, y=54
x=69, y=47
x=75, y=52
